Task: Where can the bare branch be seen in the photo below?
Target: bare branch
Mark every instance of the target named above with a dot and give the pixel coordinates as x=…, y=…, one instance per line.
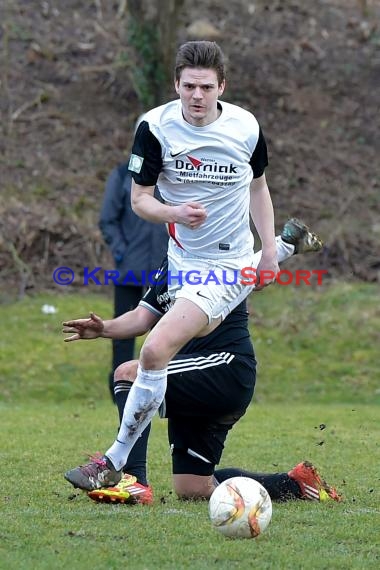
x=122, y=8
x=28, y=105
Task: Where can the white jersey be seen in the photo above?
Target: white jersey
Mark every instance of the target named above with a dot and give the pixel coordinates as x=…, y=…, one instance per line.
x=212, y=165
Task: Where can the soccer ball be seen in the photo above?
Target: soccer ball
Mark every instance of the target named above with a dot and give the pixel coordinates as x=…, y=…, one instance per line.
x=240, y=508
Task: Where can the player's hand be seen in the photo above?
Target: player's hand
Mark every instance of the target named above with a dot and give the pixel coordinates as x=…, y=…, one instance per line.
x=83, y=328
x=266, y=271
x=191, y=214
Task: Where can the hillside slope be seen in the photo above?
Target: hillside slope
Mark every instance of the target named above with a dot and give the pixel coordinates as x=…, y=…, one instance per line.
x=308, y=70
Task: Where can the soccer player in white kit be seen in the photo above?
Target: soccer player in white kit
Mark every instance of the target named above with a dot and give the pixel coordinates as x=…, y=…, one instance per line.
x=208, y=159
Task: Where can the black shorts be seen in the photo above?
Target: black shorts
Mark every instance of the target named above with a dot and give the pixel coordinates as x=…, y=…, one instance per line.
x=206, y=395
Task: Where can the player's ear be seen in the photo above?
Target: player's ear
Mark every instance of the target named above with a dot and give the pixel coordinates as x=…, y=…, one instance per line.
x=176, y=85
x=221, y=88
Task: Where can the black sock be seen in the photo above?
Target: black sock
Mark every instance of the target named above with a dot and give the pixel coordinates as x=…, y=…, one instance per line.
x=121, y=392
x=111, y=386
x=136, y=462
x=279, y=485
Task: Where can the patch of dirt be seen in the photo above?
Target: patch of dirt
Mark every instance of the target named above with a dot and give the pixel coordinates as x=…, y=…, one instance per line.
x=308, y=70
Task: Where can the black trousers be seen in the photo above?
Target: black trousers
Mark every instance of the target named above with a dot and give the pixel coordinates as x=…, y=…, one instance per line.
x=126, y=298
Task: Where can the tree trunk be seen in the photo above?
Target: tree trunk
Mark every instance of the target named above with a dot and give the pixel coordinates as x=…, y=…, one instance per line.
x=152, y=31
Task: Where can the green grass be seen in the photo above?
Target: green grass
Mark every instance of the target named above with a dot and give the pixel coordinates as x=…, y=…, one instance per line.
x=318, y=369
x=321, y=344
x=35, y=361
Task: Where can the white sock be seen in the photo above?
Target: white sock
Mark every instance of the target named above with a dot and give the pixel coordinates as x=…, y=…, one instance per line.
x=144, y=399
x=284, y=250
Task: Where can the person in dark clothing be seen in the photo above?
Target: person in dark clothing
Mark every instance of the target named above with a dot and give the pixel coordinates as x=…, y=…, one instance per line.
x=137, y=247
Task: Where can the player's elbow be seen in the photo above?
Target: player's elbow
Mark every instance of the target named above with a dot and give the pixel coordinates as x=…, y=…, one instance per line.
x=138, y=199
x=135, y=203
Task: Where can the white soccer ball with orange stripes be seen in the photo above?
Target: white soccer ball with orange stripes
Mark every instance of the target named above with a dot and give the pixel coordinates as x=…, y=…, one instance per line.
x=240, y=508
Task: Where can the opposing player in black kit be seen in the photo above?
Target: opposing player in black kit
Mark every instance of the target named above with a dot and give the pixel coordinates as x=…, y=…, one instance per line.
x=210, y=385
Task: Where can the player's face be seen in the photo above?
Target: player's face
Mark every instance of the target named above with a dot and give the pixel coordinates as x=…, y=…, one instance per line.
x=198, y=90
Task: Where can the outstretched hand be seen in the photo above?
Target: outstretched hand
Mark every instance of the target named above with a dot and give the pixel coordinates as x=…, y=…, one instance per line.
x=84, y=329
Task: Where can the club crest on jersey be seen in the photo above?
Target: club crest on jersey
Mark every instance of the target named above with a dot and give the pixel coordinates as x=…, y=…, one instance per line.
x=135, y=163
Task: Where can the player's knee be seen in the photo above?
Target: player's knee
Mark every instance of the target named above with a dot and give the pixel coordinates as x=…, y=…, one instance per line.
x=126, y=371
x=152, y=355
x=193, y=487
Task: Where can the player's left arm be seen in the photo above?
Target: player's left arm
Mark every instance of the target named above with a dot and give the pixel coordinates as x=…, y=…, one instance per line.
x=262, y=214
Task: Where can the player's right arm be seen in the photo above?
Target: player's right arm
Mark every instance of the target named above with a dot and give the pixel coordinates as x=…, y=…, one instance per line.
x=129, y=325
x=145, y=205
x=145, y=165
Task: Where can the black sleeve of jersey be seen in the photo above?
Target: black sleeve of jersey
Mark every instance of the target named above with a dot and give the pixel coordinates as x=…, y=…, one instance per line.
x=156, y=295
x=150, y=298
x=147, y=147
x=259, y=158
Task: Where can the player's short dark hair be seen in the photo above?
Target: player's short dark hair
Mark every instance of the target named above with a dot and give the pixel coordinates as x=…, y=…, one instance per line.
x=204, y=54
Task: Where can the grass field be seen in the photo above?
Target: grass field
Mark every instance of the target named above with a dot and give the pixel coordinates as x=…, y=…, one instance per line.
x=317, y=398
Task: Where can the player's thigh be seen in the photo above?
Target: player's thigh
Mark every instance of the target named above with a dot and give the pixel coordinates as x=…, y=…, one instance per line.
x=179, y=325
x=197, y=444
x=205, y=384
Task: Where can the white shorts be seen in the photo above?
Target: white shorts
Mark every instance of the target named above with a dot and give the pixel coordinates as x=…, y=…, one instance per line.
x=214, y=285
